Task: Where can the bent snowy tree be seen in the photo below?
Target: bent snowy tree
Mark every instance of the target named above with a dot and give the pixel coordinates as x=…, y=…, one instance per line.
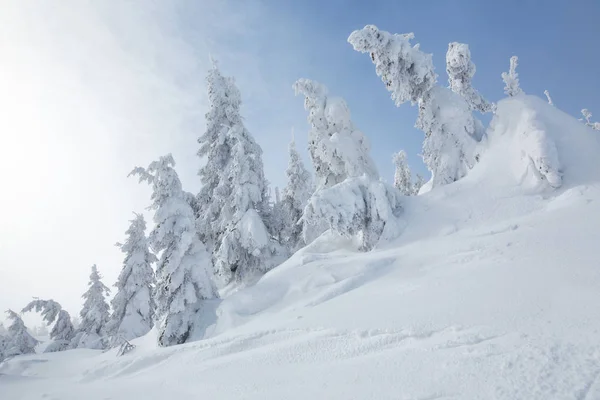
x=62, y=332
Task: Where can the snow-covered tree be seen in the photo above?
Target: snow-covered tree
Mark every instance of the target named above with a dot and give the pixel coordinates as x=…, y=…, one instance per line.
x=511, y=78
x=234, y=212
x=587, y=115
x=184, y=271
x=547, y=93
x=133, y=305
x=451, y=131
x=94, y=314
x=349, y=197
x=63, y=331
x=2, y=329
x=418, y=184
x=295, y=196
x=460, y=71
x=402, y=174
x=75, y=321
x=18, y=341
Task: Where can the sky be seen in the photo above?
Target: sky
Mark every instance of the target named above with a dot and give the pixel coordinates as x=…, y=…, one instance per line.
x=90, y=89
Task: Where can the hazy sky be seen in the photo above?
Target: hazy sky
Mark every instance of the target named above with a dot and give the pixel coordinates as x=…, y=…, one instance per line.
x=89, y=89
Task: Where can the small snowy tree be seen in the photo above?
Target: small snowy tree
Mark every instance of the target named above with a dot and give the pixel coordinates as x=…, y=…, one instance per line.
x=547, y=93
x=133, y=305
x=511, y=78
x=451, y=131
x=587, y=115
x=402, y=175
x=295, y=197
x=460, y=71
x=419, y=182
x=94, y=314
x=184, y=270
x=2, y=329
x=63, y=331
x=19, y=341
x=349, y=198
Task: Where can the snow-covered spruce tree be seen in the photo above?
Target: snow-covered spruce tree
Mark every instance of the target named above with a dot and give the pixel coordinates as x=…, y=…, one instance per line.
x=295, y=196
x=451, y=131
x=94, y=314
x=587, y=116
x=234, y=213
x=19, y=341
x=460, y=71
x=133, y=305
x=2, y=329
x=349, y=198
x=402, y=174
x=184, y=271
x=547, y=93
x=63, y=331
x=511, y=78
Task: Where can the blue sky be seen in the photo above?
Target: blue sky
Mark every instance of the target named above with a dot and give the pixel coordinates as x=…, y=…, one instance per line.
x=92, y=89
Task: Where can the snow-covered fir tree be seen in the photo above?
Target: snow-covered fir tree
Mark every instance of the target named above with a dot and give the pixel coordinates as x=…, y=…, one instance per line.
x=94, y=314
x=184, y=278
x=234, y=212
x=63, y=331
x=587, y=116
x=2, y=329
x=18, y=340
x=295, y=196
x=547, y=93
x=460, y=71
x=511, y=78
x=349, y=198
x=451, y=131
x=402, y=174
x=133, y=305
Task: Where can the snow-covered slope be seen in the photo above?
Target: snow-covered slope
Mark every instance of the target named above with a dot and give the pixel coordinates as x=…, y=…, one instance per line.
x=491, y=292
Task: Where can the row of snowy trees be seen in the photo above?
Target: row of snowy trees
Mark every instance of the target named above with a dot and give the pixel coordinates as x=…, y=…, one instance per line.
x=231, y=232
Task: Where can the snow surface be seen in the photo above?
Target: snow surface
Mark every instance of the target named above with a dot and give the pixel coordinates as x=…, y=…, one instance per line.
x=491, y=292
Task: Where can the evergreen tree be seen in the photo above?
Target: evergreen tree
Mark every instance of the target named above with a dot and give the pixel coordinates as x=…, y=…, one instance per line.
x=547, y=93
x=587, y=116
x=451, y=131
x=295, y=197
x=94, y=314
x=460, y=71
x=2, y=329
x=349, y=197
x=234, y=212
x=18, y=341
x=184, y=270
x=133, y=305
x=63, y=331
x=511, y=78
x=419, y=182
x=402, y=175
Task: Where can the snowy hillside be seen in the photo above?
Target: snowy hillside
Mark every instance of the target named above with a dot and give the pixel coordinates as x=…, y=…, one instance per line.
x=491, y=292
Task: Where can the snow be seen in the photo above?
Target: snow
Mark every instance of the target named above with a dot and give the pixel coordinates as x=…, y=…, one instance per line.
x=490, y=292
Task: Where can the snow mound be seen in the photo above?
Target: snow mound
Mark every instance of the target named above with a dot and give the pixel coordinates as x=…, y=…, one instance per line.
x=538, y=146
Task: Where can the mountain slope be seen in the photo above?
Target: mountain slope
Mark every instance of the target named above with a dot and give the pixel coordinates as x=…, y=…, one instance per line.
x=491, y=292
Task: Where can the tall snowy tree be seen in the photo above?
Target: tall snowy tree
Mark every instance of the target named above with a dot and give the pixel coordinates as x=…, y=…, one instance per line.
x=451, y=131
x=234, y=213
x=184, y=271
x=402, y=175
x=63, y=331
x=295, y=197
x=460, y=71
x=511, y=78
x=349, y=198
x=94, y=314
x=133, y=305
x=18, y=341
